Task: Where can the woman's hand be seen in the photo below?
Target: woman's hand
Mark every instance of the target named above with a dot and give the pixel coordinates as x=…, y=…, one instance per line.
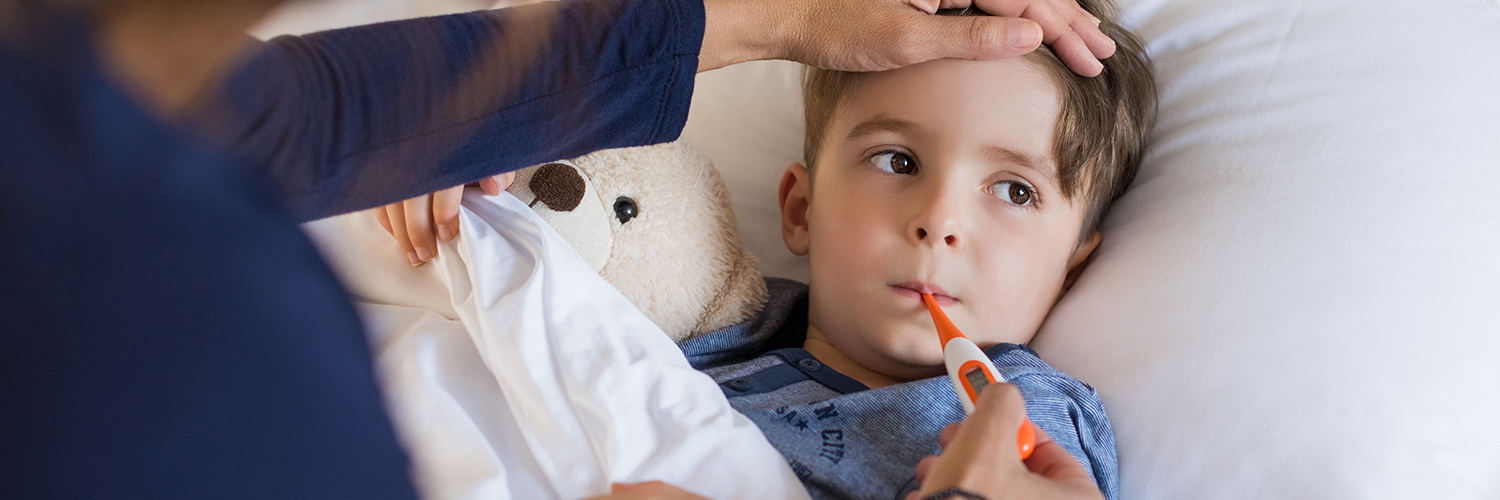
x=654, y=490
x=873, y=35
x=418, y=223
x=979, y=456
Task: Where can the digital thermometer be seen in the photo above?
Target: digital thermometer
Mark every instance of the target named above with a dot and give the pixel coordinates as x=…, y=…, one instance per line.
x=971, y=371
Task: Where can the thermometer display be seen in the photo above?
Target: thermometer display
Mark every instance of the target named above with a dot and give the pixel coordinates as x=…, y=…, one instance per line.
x=977, y=380
x=971, y=371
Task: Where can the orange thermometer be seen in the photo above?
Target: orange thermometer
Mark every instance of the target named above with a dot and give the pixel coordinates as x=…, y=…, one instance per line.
x=971, y=371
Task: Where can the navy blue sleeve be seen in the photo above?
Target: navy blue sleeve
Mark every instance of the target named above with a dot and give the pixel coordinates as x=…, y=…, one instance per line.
x=349, y=119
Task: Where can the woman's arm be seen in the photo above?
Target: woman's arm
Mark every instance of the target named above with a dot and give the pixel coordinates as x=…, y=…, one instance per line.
x=360, y=117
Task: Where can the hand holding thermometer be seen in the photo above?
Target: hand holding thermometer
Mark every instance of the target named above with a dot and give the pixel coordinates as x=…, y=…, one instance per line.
x=971, y=371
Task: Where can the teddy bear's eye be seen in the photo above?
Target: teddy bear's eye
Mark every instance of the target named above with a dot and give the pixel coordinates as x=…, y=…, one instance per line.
x=625, y=209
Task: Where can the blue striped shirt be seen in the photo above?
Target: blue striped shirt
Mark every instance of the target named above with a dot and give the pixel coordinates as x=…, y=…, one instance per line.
x=845, y=440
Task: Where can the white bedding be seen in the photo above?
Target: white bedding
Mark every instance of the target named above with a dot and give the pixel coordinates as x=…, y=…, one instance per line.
x=512, y=370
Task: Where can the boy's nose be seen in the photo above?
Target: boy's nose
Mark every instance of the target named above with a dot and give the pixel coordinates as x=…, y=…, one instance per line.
x=948, y=239
x=936, y=219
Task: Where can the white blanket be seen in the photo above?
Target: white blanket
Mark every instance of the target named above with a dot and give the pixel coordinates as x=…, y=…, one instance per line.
x=512, y=370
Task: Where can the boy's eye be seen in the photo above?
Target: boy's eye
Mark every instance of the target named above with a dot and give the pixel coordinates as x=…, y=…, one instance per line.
x=894, y=162
x=1013, y=192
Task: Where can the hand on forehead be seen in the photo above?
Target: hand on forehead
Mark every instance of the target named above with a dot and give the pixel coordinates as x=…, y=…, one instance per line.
x=875, y=35
x=1071, y=31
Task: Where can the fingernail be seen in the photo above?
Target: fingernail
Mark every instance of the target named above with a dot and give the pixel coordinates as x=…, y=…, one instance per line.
x=412, y=258
x=444, y=233
x=423, y=253
x=1022, y=33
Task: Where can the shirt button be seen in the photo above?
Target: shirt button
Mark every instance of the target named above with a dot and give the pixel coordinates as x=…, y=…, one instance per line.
x=810, y=364
x=741, y=384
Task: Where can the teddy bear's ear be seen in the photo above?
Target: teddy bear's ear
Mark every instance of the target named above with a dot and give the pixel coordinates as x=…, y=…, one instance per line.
x=740, y=299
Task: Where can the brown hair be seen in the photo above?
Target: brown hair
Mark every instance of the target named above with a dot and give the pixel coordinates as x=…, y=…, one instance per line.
x=1101, y=128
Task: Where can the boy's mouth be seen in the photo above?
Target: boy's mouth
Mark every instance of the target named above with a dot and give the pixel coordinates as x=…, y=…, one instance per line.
x=915, y=289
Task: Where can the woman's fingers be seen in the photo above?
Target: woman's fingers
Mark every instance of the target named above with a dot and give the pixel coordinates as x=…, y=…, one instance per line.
x=1086, y=26
x=948, y=432
x=419, y=227
x=983, y=38
x=384, y=219
x=1051, y=461
x=1071, y=31
x=445, y=205
x=1100, y=44
x=973, y=462
x=924, y=468
x=396, y=215
x=1075, y=53
x=491, y=186
x=419, y=223
x=494, y=185
x=998, y=413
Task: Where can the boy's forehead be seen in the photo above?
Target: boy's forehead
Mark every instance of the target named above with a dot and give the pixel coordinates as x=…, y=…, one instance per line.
x=1005, y=109
x=1018, y=79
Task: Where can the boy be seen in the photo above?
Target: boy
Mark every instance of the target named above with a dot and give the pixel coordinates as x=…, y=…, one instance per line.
x=981, y=183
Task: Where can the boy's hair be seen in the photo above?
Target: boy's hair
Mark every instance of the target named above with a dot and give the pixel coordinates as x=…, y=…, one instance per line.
x=1101, y=128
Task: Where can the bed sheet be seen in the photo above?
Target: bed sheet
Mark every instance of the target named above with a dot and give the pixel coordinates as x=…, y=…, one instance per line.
x=512, y=370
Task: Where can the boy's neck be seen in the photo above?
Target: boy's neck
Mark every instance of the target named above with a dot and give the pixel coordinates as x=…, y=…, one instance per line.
x=818, y=345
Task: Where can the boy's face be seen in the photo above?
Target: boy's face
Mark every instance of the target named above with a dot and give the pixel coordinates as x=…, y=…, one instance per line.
x=937, y=177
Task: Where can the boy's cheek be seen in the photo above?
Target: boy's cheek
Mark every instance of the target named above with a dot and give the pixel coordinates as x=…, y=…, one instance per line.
x=1014, y=320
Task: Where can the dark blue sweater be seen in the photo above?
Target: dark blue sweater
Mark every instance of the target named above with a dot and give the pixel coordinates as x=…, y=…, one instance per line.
x=168, y=331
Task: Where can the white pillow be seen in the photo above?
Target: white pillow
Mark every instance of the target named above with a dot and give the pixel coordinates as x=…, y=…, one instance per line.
x=747, y=118
x=1299, y=297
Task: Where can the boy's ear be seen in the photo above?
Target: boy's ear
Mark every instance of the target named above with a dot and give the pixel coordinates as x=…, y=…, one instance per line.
x=1080, y=259
x=792, y=196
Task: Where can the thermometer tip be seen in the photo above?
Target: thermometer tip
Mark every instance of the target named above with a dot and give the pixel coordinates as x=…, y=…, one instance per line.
x=945, y=328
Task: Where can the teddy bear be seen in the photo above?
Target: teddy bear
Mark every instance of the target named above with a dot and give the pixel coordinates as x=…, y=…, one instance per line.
x=655, y=222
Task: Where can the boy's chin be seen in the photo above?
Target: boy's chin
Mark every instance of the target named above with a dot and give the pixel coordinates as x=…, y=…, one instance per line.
x=916, y=367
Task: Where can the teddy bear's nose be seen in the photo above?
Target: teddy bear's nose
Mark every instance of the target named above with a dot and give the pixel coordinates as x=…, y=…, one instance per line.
x=559, y=186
